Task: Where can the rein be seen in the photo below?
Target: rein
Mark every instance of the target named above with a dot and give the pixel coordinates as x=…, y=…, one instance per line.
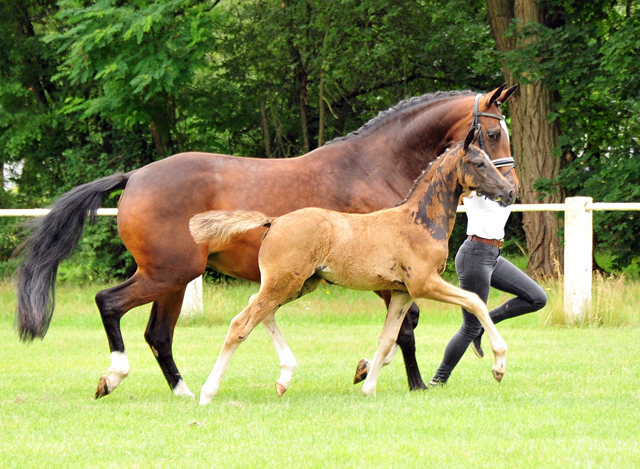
x=476, y=124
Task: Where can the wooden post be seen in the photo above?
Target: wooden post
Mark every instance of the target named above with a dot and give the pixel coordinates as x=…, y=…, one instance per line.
x=192, y=304
x=578, y=254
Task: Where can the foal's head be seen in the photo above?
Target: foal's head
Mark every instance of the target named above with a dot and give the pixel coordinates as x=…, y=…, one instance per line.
x=477, y=173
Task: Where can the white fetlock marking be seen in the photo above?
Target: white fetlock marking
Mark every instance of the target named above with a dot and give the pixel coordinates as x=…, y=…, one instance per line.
x=118, y=370
x=182, y=390
x=286, y=372
x=207, y=393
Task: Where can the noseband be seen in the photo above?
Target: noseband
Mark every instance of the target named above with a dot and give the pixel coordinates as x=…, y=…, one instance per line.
x=476, y=124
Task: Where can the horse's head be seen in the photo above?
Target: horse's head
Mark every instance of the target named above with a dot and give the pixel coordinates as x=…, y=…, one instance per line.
x=493, y=135
x=478, y=173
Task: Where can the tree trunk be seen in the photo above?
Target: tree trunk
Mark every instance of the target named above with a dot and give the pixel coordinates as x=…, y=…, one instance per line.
x=533, y=141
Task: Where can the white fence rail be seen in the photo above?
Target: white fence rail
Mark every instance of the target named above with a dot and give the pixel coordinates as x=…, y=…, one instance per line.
x=578, y=249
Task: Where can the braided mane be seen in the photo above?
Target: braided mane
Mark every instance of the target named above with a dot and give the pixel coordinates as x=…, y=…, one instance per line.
x=385, y=116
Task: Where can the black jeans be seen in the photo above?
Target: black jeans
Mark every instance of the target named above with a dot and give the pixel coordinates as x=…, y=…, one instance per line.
x=480, y=267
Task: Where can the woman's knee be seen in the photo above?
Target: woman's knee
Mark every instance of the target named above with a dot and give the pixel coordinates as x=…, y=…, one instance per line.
x=538, y=299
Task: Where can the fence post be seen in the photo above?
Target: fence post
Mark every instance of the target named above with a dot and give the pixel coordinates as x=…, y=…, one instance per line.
x=192, y=302
x=578, y=255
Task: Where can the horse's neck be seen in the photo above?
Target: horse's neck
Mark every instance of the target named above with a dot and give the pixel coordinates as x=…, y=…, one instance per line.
x=399, y=149
x=434, y=199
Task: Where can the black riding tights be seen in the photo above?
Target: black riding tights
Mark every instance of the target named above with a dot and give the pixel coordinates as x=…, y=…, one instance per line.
x=480, y=267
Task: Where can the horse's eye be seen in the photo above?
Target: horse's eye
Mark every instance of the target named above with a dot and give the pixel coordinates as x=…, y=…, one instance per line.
x=493, y=135
x=480, y=165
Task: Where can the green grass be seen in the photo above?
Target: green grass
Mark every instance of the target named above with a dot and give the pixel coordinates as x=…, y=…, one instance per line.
x=570, y=398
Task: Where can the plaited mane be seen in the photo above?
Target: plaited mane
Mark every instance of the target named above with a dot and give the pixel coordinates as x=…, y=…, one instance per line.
x=384, y=116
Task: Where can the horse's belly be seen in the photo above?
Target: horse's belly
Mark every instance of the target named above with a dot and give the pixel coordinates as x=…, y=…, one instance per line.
x=359, y=280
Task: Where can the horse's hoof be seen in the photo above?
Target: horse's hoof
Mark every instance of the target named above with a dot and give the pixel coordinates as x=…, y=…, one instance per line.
x=280, y=389
x=103, y=388
x=498, y=375
x=361, y=371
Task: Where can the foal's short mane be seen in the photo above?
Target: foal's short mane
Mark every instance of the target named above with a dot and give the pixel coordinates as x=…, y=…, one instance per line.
x=424, y=173
x=384, y=116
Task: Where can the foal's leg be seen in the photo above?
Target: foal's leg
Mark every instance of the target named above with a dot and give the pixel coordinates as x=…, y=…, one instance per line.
x=241, y=326
x=287, y=360
x=442, y=291
x=398, y=307
x=407, y=343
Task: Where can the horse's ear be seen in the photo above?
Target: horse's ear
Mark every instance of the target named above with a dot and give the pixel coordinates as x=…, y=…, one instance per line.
x=507, y=94
x=469, y=138
x=496, y=94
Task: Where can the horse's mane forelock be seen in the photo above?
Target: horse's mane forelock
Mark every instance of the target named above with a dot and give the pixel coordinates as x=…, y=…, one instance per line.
x=384, y=116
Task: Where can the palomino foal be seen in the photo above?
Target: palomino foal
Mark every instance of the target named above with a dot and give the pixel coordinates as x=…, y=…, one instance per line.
x=402, y=249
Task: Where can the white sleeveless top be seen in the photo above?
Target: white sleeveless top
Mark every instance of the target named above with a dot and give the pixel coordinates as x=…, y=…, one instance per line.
x=485, y=218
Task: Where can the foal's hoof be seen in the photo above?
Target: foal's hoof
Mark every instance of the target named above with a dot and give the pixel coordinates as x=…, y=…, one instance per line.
x=280, y=389
x=361, y=371
x=103, y=388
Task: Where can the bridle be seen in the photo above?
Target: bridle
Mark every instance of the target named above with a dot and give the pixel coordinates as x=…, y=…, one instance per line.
x=500, y=162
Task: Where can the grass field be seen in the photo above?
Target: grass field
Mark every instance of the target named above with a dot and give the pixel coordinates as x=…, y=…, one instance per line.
x=570, y=398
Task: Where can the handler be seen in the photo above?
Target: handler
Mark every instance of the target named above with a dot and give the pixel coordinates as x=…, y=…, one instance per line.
x=480, y=266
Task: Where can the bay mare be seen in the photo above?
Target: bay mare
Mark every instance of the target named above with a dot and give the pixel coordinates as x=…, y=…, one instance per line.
x=371, y=169
x=402, y=249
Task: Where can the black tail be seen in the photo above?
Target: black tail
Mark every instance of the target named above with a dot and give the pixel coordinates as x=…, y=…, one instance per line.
x=55, y=237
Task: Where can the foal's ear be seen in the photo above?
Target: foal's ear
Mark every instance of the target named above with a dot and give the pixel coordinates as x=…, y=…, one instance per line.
x=471, y=136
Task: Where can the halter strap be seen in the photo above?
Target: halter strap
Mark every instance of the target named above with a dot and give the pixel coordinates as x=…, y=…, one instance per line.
x=477, y=114
x=476, y=124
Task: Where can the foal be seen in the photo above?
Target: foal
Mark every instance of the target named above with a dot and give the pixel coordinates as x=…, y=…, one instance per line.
x=401, y=249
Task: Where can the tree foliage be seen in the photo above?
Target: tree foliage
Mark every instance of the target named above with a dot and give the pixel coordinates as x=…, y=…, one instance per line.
x=587, y=55
x=90, y=87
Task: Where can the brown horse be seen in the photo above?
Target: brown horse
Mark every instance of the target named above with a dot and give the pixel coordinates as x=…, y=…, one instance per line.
x=371, y=169
x=402, y=250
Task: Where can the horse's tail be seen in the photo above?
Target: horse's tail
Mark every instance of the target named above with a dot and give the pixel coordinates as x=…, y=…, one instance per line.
x=218, y=228
x=54, y=238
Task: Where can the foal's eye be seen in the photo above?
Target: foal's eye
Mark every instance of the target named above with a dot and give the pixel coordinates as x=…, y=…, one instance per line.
x=493, y=135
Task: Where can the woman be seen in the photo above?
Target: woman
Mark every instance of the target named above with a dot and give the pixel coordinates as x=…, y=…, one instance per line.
x=479, y=267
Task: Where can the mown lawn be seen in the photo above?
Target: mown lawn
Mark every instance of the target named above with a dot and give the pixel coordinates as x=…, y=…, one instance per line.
x=570, y=398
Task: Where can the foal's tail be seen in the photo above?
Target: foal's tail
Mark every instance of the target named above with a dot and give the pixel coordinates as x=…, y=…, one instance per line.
x=218, y=228
x=55, y=237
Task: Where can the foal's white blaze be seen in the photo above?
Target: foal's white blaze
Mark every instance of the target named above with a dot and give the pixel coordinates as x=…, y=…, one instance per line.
x=181, y=390
x=118, y=370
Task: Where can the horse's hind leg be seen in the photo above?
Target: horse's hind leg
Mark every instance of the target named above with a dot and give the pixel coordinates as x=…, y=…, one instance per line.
x=114, y=303
x=398, y=307
x=287, y=360
x=274, y=292
x=240, y=327
x=159, y=335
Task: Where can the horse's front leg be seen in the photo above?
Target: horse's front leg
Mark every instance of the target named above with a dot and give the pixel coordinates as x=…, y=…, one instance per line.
x=407, y=343
x=398, y=307
x=440, y=290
